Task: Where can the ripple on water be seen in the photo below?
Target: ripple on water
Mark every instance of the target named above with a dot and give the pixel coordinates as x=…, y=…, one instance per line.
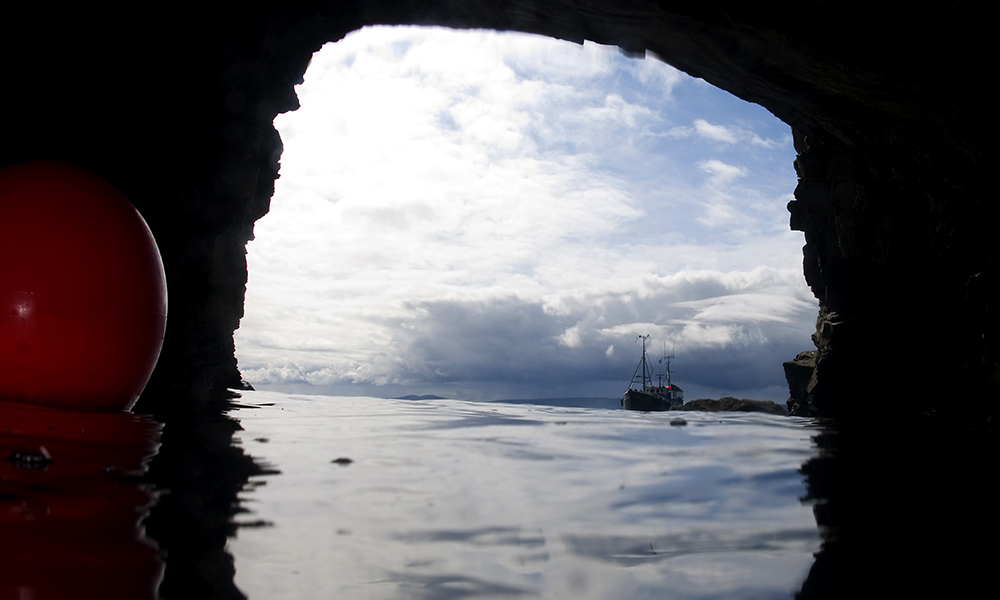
x=454, y=499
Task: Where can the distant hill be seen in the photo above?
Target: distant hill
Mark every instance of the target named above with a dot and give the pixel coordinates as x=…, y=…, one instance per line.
x=426, y=397
x=569, y=402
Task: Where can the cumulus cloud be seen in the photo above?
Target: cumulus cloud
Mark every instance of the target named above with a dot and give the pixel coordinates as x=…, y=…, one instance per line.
x=500, y=211
x=721, y=172
x=718, y=133
x=725, y=134
x=747, y=317
x=653, y=75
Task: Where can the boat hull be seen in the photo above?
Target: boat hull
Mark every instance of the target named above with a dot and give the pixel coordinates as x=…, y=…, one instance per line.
x=636, y=400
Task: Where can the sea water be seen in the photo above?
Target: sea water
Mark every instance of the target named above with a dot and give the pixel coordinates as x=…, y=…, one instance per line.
x=434, y=499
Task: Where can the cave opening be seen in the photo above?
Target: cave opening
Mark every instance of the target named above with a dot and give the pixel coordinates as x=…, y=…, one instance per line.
x=887, y=105
x=490, y=215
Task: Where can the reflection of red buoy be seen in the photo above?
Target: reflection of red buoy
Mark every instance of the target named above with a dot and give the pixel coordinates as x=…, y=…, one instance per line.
x=83, y=298
x=71, y=506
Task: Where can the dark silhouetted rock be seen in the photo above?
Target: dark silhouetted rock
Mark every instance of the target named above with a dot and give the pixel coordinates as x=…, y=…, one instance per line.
x=730, y=404
x=895, y=192
x=800, y=374
x=892, y=119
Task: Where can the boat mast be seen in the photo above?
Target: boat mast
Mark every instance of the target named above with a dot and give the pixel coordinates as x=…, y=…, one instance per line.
x=660, y=376
x=668, y=357
x=643, y=338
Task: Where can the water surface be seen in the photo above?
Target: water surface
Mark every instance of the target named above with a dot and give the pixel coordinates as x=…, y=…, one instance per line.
x=451, y=499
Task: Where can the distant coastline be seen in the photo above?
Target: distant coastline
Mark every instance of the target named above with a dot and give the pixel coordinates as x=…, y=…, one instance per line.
x=575, y=402
x=724, y=404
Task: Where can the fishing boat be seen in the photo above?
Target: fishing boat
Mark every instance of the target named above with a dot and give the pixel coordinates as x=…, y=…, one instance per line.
x=650, y=397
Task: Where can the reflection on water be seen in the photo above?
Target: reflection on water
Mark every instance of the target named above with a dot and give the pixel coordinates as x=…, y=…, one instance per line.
x=451, y=499
x=448, y=499
x=71, y=505
x=908, y=508
x=199, y=472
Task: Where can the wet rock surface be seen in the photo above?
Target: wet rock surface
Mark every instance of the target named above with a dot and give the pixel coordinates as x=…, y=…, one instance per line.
x=800, y=375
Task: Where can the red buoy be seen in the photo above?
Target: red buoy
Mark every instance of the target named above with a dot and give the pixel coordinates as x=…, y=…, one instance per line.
x=83, y=297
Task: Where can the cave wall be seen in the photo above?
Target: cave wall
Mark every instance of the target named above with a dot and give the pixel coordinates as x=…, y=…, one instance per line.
x=886, y=102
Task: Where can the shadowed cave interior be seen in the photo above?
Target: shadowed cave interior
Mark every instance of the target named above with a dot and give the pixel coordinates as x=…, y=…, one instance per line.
x=889, y=116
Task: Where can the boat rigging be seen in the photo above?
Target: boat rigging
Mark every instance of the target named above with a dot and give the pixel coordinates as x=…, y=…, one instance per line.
x=650, y=397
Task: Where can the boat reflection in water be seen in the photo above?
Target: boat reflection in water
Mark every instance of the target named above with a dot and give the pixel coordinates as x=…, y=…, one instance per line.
x=71, y=504
x=650, y=397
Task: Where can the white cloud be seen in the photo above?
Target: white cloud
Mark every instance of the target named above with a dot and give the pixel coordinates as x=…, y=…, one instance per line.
x=726, y=134
x=718, y=133
x=455, y=202
x=541, y=59
x=656, y=75
x=721, y=172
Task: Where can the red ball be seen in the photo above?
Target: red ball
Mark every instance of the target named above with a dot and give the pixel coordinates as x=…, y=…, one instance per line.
x=83, y=298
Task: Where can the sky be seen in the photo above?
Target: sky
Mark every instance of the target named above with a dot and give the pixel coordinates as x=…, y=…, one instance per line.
x=484, y=215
